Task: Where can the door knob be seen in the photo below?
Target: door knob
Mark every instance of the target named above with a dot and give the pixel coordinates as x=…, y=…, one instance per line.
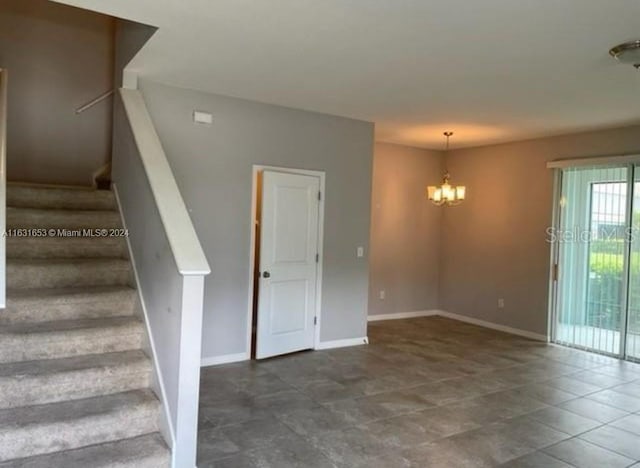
x=266, y=274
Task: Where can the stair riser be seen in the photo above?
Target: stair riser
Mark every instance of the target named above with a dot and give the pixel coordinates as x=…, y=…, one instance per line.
x=21, y=276
x=37, y=439
x=73, y=385
x=38, y=219
x=35, y=197
x=36, y=346
x=66, y=247
x=32, y=313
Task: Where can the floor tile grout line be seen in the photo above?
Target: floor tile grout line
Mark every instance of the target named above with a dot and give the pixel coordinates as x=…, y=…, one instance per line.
x=544, y=360
x=607, y=448
x=595, y=445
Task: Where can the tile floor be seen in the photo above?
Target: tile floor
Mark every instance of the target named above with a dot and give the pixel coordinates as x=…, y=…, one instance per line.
x=426, y=392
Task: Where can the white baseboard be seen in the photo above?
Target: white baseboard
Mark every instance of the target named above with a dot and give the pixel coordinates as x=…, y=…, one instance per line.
x=239, y=357
x=343, y=343
x=223, y=359
x=229, y=358
x=460, y=318
x=493, y=326
x=403, y=315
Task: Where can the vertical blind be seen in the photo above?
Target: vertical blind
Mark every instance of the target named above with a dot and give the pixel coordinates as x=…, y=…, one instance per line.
x=592, y=250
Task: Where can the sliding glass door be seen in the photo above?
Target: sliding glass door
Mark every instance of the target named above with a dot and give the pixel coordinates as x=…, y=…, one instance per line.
x=591, y=242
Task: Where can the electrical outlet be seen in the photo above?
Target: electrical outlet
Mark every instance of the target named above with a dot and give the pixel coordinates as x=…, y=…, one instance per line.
x=383, y=294
x=500, y=303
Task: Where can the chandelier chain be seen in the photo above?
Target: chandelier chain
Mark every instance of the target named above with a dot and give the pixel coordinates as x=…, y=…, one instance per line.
x=447, y=134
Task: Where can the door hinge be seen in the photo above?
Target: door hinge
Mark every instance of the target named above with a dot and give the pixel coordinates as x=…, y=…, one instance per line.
x=315, y=320
x=317, y=258
x=319, y=196
x=555, y=272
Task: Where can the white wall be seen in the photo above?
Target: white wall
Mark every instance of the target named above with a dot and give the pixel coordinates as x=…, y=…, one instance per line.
x=213, y=167
x=59, y=58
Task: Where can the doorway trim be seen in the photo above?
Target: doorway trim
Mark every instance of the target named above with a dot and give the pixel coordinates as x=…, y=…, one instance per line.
x=257, y=168
x=554, y=258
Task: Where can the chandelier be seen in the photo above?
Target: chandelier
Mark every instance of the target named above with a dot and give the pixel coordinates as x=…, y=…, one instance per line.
x=446, y=194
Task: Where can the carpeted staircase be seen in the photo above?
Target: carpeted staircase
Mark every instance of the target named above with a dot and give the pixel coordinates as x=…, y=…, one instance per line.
x=74, y=380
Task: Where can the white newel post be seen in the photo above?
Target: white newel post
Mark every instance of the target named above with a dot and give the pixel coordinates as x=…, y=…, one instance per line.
x=190, y=354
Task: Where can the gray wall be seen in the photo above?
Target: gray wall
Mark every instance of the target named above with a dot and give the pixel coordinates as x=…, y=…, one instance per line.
x=405, y=230
x=493, y=245
x=213, y=168
x=130, y=37
x=58, y=59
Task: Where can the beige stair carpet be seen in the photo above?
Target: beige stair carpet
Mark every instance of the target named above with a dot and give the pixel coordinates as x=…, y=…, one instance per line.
x=74, y=379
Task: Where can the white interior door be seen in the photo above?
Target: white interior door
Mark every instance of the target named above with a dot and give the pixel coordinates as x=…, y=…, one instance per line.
x=288, y=263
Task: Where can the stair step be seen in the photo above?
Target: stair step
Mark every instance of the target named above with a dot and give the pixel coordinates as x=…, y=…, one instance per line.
x=47, y=305
x=148, y=451
x=66, y=247
x=36, y=196
x=48, y=381
x=62, y=273
x=35, y=218
x=67, y=338
x=73, y=376
x=54, y=427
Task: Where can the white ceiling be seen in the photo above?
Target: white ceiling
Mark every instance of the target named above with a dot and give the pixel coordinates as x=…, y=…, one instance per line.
x=489, y=70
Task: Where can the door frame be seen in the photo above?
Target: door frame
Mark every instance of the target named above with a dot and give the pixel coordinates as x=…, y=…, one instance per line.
x=632, y=163
x=257, y=168
x=554, y=258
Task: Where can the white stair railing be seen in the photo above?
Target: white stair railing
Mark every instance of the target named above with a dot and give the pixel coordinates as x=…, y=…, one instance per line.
x=4, y=76
x=169, y=264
